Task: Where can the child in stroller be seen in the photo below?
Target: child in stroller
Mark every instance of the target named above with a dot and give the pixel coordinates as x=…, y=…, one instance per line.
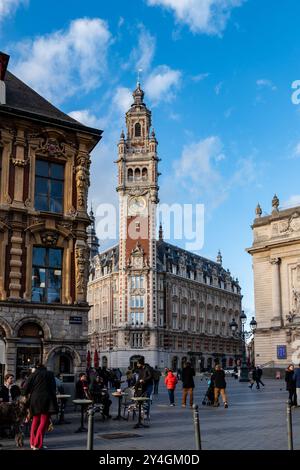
x=208, y=398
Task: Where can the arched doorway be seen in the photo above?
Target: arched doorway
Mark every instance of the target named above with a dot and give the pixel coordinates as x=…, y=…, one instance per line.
x=2, y=355
x=134, y=360
x=61, y=362
x=30, y=347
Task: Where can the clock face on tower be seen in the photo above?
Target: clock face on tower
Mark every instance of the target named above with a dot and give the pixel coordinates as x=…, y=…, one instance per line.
x=136, y=205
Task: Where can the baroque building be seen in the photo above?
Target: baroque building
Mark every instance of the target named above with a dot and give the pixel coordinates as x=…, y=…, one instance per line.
x=276, y=267
x=44, y=179
x=150, y=298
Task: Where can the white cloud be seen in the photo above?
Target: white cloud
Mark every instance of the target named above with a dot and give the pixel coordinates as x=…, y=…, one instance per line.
x=63, y=63
x=162, y=83
x=218, y=88
x=86, y=117
x=144, y=53
x=296, y=152
x=123, y=99
x=293, y=201
x=202, y=16
x=197, y=162
x=8, y=7
x=200, y=77
x=266, y=83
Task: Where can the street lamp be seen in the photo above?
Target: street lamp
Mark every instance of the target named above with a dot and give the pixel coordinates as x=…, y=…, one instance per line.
x=244, y=377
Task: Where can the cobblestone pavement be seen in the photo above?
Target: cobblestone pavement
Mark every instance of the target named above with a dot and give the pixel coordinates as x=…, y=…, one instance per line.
x=255, y=419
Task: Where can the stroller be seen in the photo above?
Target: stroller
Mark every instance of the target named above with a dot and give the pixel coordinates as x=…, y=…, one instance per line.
x=208, y=398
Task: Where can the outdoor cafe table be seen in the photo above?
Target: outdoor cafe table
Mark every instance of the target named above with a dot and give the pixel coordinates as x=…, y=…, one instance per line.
x=140, y=401
x=119, y=395
x=62, y=400
x=83, y=403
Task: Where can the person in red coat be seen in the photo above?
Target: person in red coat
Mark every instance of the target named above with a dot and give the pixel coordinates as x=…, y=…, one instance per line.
x=171, y=381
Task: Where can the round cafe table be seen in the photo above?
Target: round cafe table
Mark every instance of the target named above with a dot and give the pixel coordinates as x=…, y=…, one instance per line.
x=119, y=395
x=83, y=404
x=62, y=400
x=140, y=401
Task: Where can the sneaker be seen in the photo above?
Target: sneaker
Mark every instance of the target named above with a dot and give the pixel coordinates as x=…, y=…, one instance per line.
x=225, y=405
x=183, y=406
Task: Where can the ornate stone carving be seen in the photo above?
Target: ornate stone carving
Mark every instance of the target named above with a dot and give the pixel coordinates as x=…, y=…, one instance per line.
x=137, y=191
x=49, y=238
x=81, y=256
x=51, y=147
x=72, y=212
x=275, y=261
x=19, y=162
x=291, y=225
x=82, y=180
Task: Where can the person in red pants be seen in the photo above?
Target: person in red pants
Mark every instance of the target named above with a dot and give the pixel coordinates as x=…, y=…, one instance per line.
x=41, y=389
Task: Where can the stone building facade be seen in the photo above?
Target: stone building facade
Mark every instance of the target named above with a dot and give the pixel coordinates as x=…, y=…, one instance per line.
x=150, y=298
x=276, y=267
x=44, y=179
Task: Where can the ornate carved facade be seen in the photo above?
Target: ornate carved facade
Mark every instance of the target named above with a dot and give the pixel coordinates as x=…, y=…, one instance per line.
x=276, y=268
x=45, y=160
x=147, y=296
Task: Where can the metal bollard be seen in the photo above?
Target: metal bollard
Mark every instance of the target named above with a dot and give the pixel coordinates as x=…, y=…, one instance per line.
x=289, y=425
x=197, y=427
x=90, y=435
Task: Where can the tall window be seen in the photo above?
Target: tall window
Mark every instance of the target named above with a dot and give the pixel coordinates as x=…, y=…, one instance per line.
x=137, y=318
x=137, y=340
x=137, y=130
x=46, y=275
x=137, y=282
x=137, y=301
x=49, y=186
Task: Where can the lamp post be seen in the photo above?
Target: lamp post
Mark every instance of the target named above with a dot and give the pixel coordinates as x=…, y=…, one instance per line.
x=244, y=377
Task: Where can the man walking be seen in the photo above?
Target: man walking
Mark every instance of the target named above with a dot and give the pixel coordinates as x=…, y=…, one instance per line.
x=188, y=385
x=297, y=383
x=218, y=378
x=259, y=374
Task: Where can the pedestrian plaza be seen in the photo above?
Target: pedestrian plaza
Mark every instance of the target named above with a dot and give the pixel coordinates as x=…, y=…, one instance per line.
x=255, y=420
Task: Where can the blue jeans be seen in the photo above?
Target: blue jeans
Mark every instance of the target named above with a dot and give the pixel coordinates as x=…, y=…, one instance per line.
x=149, y=389
x=171, y=396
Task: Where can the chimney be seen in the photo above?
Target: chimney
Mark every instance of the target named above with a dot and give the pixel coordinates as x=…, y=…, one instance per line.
x=4, y=58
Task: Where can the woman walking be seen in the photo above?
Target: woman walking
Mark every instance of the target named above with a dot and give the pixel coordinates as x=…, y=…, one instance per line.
x=291, y=384
x=171, y=381
x=41, y=388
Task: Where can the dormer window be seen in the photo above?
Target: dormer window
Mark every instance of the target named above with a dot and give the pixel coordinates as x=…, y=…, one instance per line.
x=137, y=130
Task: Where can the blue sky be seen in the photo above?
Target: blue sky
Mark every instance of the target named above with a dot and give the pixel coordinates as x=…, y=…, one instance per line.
x=217, y=76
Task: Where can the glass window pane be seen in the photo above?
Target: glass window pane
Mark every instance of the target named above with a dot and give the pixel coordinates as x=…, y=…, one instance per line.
x=57, y=171
x=39, y=256
x=41, y=186
x=41, y=168
x=56, y=190
x=56, y=205
x=53, y=296
x=55, y=258
x=41, y=202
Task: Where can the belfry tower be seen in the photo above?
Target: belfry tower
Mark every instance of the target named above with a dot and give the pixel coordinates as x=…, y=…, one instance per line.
x=138, y=198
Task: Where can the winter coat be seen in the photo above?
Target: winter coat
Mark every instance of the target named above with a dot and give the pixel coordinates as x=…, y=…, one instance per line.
x=171, y=381
x=296, y=377
x=41, y=388
x=289, y=378
x=15, y=392
x=187, y=377
x=218, y=378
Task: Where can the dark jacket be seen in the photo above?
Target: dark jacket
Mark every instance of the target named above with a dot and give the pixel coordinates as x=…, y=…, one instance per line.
x=82, y=390
x=187, y=377
x=296, y=377
x=289, y=378
x=41, y=388
x=218, y=378
x=14, y=391
x=259, y=373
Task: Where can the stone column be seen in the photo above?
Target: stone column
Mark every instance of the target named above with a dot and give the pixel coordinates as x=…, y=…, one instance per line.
x=276, y=290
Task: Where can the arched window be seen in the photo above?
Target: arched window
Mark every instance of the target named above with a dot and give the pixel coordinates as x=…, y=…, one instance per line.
x=144, y=174
x=130, y=174
x=137, y=130
x=137, y=174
